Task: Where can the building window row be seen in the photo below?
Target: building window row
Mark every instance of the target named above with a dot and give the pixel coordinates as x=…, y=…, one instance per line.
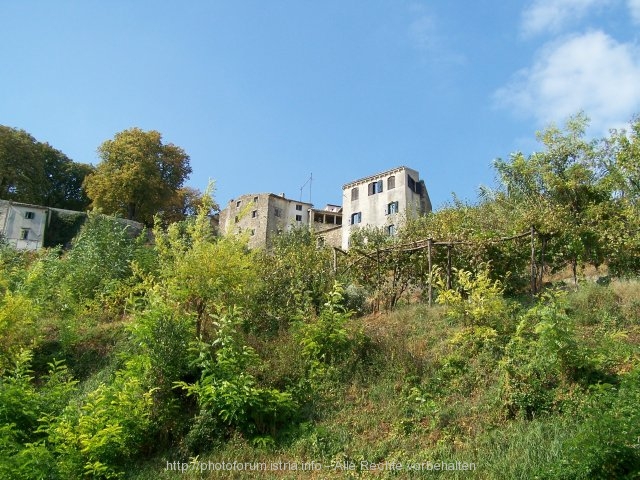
x=374, y=187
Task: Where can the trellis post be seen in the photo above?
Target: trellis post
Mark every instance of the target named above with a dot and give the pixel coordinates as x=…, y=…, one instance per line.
x=429, y=248
x=449, y=266
x=533, y=261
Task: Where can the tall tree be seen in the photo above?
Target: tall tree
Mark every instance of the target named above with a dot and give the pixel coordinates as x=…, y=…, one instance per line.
x=35, y=172
x=563, y=191
x=138, y=175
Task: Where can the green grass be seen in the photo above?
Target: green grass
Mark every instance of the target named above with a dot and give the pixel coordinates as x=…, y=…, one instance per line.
x=416, y=395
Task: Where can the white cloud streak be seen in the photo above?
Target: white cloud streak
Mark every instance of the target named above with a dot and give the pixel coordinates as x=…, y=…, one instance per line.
x=590, y=72
x=634, y=9
x=551, y=16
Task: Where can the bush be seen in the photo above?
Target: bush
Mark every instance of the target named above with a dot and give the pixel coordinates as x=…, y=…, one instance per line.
x=541, y=355
x=228, y=395
x=607, y=444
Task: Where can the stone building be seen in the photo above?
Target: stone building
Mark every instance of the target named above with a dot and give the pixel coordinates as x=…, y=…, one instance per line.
x=23, y=225
x=327, y=225
x=262, y=216
x=383, y=200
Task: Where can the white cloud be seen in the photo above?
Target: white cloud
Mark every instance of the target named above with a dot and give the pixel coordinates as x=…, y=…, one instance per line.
x=425, y=36
x=590, y=72
x=634, y=8
x=553, y=15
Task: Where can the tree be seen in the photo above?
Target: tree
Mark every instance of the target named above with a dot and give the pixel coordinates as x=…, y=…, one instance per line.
x=561, y=191
x=184, y=204
x=138, y=175
x=35, y=172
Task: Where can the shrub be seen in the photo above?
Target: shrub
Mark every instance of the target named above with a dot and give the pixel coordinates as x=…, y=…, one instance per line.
x=227, y=391
x=541, y=354
x=607, y=444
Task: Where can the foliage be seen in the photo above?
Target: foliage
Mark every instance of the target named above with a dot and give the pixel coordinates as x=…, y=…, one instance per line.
x=63, y=227
x=475, y=299
x=229, y=392
x=138, y=175
x=110, y=426
x=297, y=276
x=200, y=271
x=324, y=341
x=35, y=172
x=383, y=270
x=606, y=444
x=542, y=354
x=23, y=405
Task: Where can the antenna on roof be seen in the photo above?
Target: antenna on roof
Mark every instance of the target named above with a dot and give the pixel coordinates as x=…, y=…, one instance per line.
x=309, y=181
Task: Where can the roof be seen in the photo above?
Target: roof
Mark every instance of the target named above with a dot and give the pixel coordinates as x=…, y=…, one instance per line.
x=274, y=195
x=20, y=204
x=376, y=175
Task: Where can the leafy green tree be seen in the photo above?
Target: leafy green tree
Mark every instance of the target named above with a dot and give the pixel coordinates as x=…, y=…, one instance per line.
x=296, y=277
x=35, y=172
x=202, y=272
x=138, y=175
x=558, y=189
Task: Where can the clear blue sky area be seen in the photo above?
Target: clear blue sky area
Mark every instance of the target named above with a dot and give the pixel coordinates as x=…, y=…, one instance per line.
x=263, y=93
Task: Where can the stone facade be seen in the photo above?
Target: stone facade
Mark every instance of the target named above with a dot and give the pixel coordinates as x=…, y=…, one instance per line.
x=261, y=216
x=383, y=200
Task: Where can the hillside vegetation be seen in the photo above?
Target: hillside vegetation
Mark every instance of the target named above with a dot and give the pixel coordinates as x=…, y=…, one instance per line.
x=124, y=358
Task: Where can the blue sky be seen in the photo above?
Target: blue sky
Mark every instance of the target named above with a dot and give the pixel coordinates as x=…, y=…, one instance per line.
x=263, y=93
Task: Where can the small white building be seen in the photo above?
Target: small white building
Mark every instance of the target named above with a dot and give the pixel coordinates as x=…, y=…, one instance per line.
x=23, y=225
x=383, y=200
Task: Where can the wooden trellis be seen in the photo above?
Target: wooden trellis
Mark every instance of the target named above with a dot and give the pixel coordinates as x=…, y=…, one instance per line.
x=429, y=244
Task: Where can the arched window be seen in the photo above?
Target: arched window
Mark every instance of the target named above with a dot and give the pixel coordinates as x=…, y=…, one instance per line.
x=391, y=182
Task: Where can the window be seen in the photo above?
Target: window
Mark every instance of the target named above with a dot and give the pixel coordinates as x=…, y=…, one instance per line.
x=298, y=218
x=375, y=187
x=254, y=214
x=356, y=218
x=299, y=208
x=29, y=215
x=392, y=208
x=277, y=212
x=236, y=220
x=416, y=187
x=354, y=194
x=412, y=183
x=391, y=230
x=255, y=199
x=238, y=203
x=391, y=182
x=24, y=234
